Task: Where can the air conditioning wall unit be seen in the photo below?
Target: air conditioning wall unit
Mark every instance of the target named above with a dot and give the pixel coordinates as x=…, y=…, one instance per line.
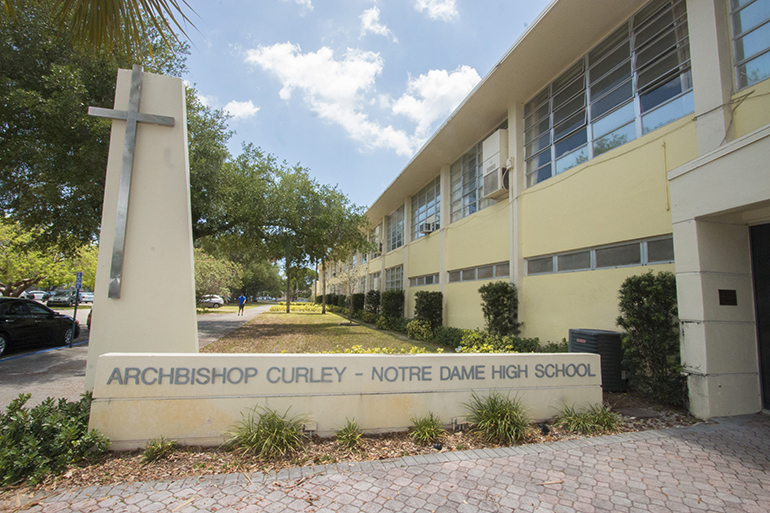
x=495, y=185
x=427, y=227
x=495, y=154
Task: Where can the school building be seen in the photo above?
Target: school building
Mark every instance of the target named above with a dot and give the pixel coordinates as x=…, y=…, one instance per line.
x=613, y=138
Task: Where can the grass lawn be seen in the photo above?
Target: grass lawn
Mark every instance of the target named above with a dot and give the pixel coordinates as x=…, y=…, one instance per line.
x=273, y=332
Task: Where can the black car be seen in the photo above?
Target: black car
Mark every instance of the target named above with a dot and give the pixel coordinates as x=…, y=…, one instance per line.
x=26, y=323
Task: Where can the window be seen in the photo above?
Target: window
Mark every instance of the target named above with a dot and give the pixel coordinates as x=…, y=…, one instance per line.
x=374, y=281
x=751, y=40
x=635, y=81
x=394, y=278
x=659, y=250
x=426, y=207
x=374, y=237
x=419, y=281
x=485, y=272
x=466, y=177
x=396, y=229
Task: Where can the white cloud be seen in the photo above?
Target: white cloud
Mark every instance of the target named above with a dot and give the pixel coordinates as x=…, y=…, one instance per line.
x=241, y=110
x=334, y=89
x=340, y=90
x=370, y=22
x=432, y=97
x=306, y=5
x=445, y=10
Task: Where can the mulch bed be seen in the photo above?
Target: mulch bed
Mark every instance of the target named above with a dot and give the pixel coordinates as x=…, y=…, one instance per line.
x=127, y=467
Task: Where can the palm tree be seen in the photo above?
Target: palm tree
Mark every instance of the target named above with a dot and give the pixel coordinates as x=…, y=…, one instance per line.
x=116, y=25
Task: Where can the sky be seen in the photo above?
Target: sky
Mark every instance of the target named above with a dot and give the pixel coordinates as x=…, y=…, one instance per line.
x=350, y=89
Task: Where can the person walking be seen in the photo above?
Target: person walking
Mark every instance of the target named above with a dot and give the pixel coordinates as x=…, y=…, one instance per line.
x=241, y=303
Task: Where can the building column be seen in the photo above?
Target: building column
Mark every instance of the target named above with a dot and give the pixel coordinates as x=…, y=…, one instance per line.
x=405, y=265
x=712, y=70
x=516, y=185
x=445, y=207
x=716, y=312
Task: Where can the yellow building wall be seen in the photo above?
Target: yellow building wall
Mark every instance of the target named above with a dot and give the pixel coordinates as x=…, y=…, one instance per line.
x=462, y=303
x=621, y=195
x=481, y=238
x=394, y=258
x=424, y=255
x=551, y=304
x=753, y=112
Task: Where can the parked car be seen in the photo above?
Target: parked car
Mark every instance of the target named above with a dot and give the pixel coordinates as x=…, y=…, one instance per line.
x=27, y=323
x=62, y=298
x=87, y=297
x=211, y=301
x=37, y=295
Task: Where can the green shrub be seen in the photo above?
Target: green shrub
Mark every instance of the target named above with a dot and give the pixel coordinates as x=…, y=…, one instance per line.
x=359, y=349
x=500, y=304
x=369, y=317
x=267, y=435
x=384, y=323
x=349, y=436
x=45, y=439
x=392, y=303
x=648, y=314
x=482, y=342
x=419, y=330
x=372, y=303
x=358, y=301
x=340, y=300
x=319, y=299
x=448, y=336
x=429, y=308
x=158, y=448
x=555, y=347
x=426, y=429
x=596, y=419
x=497, y=418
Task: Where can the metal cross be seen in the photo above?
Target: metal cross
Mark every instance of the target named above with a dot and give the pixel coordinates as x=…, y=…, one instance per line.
x=132, y=116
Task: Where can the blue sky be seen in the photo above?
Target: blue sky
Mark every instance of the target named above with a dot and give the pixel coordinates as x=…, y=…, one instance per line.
x=350, y=89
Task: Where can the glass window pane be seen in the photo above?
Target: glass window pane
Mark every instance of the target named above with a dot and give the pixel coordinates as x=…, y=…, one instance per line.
x=613, y=140
x=613, y=120
x=666, y=91
x=654, y=27
x=608, y=44
x=502, y=270
x=454, y=276
x=649, y=10
x=538, y=161
x=429, y=280
x=412, y=282
x=568, y=109
x=666, y=114
x=662, y=45
x=611, y=61
x=537, y=129
x=570, y=125
x=752, y=43
x=568, y=92
x=540, y=265
x=568, y=76
x=751, y=16
x=611, y=100
x=660, y=250
x=619, y=255
x=754, y=71
x=486, y=272
x=538, y=145
x=570, y=143
x=574, y=261
x=611, y=80
x=469, y=274
x=573, y=159
x=534, y=102
x=663, y=67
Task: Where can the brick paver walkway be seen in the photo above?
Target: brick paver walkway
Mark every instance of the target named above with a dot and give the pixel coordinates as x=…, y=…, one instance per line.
x=719, y=466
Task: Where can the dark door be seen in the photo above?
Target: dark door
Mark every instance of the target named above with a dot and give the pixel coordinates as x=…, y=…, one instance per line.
x=18, y=322
x=760, y=259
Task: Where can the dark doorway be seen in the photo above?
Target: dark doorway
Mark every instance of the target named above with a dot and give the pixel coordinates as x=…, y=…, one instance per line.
x=760, y=260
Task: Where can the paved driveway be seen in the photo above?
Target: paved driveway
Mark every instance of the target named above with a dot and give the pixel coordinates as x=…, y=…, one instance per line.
x=60, y=372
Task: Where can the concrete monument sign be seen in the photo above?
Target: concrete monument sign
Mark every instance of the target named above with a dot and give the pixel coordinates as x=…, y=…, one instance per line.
x=145, y=292
x=194, y=399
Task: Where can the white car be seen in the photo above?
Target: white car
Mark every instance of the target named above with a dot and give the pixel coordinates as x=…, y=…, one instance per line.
x=37, y=295
x=211, y=301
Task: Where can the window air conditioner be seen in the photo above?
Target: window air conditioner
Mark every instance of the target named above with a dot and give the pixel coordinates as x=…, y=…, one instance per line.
x=427, y=227
x=495, y=184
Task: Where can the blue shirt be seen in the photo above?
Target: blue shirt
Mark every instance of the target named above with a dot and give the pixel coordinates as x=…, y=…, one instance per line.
x=241, y=300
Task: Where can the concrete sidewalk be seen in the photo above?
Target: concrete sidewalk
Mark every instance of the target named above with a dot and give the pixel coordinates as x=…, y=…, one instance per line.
x=721, y=466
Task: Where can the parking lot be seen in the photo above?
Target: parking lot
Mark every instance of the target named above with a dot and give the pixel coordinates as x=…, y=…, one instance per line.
x=60, y=371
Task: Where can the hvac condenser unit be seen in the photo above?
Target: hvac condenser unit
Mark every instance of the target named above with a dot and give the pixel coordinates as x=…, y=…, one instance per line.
x=495, y=154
